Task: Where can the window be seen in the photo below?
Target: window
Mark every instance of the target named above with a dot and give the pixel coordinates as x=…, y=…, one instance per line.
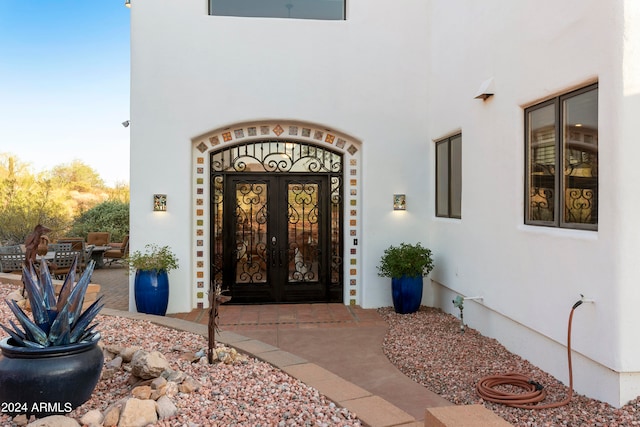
x=561, y=137
x=299, y=9
x=449, y=177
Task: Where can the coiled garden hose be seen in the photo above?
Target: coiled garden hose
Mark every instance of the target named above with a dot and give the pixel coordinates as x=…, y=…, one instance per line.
x=533, y=391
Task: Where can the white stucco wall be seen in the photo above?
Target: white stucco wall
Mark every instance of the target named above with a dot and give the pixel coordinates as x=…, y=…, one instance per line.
x=530, y=276
x=193, y=73
x=396, y=79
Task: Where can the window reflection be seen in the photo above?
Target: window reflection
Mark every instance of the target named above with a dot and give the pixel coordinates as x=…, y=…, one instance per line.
x=297, y=9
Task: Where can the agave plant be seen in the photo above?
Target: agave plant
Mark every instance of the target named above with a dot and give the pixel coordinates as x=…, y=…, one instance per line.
x=55, y=322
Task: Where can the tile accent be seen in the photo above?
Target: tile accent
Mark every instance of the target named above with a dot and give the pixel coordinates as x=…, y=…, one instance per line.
x=304, y=132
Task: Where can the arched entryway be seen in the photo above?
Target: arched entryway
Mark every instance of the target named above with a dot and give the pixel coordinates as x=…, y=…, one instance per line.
x=277, y=222
x=276, y=213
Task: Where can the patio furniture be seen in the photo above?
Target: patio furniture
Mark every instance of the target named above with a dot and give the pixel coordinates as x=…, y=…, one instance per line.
x=78, y=244
x=97, y=254
x=11, y=262
x=98, y=238
x=13, y=249
x=59, y=247
x=119, y=251
x=62, y=261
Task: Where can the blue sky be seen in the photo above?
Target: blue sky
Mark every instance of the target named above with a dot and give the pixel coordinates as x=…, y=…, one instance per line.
x=64, y=84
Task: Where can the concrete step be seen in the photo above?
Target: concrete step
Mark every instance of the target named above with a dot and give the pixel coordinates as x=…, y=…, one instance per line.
x=462, y=416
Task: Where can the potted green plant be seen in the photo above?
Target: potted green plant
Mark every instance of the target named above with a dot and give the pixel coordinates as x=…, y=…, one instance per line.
x=151, y=284
x=51, y=364
x=406, y=264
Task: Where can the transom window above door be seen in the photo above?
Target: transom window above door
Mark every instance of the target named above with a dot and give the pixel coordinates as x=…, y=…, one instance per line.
x=296, y=9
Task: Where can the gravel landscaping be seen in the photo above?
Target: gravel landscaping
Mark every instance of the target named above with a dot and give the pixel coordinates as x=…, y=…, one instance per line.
x=250, y=393
x=428, y=347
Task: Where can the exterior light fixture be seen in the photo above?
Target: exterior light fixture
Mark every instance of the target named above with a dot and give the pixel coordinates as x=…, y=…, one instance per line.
x=399, y=202
x=160, y=202
x=486, y=90
x=126, y=123
x=127, y=3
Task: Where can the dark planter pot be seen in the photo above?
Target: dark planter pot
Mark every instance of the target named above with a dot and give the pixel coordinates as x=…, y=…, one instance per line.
x=49, y=381
x=151, y=289
x=407, y=294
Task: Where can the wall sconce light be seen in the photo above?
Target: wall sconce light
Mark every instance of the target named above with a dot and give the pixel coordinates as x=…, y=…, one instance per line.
x=486, y=90
x=399, y=202
x=127, y=3
x=160, y=202
x=126, y=123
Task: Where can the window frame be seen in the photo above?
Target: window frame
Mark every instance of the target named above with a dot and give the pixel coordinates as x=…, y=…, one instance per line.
x=559, y=178
x=256, y=15
x=449, y=188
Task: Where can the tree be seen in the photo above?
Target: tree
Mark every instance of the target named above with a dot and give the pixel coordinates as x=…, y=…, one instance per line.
x=25, y=201
x=111, y=216
x=52, y=198
x=77, y=176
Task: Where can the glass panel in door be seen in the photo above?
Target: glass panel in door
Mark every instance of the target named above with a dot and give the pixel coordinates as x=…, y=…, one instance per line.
x=303, y=232
x=251, y=232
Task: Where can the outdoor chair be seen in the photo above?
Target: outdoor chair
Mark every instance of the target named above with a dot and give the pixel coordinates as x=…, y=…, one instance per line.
x=78, y=244
x=98, y=238
x=13, y=249
x=59, y=247
x=118, y=252
x=62, y=261
x=11, y=262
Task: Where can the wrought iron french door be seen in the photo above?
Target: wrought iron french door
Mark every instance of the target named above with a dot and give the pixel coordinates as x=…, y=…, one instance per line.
x=278, y=230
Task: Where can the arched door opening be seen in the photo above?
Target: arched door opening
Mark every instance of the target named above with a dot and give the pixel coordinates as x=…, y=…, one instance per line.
x=276, y=219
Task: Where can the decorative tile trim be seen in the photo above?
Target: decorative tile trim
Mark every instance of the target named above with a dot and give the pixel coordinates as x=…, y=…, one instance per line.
x=204, y=145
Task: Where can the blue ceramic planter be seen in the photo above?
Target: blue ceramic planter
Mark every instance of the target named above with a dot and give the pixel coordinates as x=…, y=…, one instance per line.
x=406, y=293
x=151, y=289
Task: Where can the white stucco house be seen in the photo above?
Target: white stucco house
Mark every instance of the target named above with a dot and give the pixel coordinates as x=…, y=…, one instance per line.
x=280, y=133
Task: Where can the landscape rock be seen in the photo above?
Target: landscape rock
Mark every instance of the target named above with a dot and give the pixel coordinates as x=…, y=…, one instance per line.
x=112, y=414
x=15, y=295
x=141, y=392
x=148, y=365
x=92, y=418
x=189, y=385
x=115, y=363
x=158, y=383
x=170, y=389
x=127, y=353
x=175, y=376
x=165, y=408
x=21, y=420
x=138, y=413
x=54, y=421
